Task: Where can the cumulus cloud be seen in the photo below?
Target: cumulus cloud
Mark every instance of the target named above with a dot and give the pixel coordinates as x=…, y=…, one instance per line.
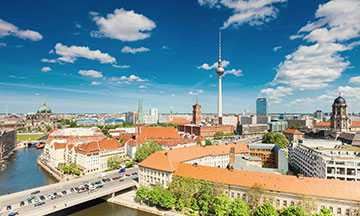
x=234, y=72
x=3, y=44
x=127, y=49
x=46, y=69
x=91, y=73
x=276, y=48
x=7, y=29
x=348, y=91
x=72, y=53
x=37, y=94
x=276, y=94
x=206, y=66
x=142, y=87
x=173, y=95
x=121, y=66
x=196, y=92
x=123, y=25
x=48, y=60
x=355, y=80
x=314, y=66
x=94, y=83
x=253, y=12
x=93, y=13
x=127, y=80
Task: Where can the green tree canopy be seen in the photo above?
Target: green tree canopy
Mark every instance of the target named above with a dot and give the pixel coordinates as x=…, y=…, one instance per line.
x=208, y=142
x=240, y=208
x=292, y=211
x=275, y=138
x=167, y=199
x=142, y=193
x=184, y=188
x=146, y=149
x=265, y=210
x=219, y=135
x=154, y=196
x=116, y=161
x=324, y=212
x=222, y=205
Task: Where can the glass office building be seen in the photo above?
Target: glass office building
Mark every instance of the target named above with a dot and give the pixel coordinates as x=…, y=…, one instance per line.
x=261, y=107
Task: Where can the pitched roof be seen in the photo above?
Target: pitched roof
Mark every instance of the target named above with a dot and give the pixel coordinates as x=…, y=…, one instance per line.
x=59, y=145
x=180, y=121
x=292, y=131
x=158, y=133
x=336, y=189
x=322, y=124
x=168, y=160
x=355, y=124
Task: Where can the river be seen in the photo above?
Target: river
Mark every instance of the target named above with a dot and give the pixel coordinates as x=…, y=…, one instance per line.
x=19, y=171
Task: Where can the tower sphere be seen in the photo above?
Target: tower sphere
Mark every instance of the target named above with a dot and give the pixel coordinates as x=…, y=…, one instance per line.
x=219, y=70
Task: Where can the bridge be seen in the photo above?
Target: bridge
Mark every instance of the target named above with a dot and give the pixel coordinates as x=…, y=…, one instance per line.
x=69, y=199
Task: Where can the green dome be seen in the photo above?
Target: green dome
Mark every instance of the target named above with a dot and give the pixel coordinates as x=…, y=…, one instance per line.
x=44, y=109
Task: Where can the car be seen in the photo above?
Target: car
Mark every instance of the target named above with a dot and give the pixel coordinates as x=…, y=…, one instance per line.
x=136, y=173
x=42, y=197
x=48, y=196
x=76, y=188
x=63, y=192
x=71, y=190
x=35, y=192
x=122, y=170
x=59, y=187
x=121, y=180
x=99, y=186
x=55, y=194
x=117, y=178
x=127, y=174
x=86, y=185
x=8, y=207
x=121, y=176
x=22, y=203
x=113, y=178
x=13, y=213
x=39, y=204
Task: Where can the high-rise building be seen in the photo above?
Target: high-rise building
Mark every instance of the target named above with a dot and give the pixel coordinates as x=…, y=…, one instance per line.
x=261, y=107
x=196, y=114
x=154, y=112
x=140, y=117
x=220, y=72
x=318, y=114
x=339, y=118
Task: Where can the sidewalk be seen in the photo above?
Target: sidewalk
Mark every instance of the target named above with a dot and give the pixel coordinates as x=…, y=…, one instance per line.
x=128, y=200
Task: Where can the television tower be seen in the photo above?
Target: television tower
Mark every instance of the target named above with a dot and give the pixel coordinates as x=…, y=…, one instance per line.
x=220, y=72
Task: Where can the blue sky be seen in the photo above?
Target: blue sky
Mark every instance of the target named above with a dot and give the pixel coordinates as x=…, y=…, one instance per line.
x=102, y=57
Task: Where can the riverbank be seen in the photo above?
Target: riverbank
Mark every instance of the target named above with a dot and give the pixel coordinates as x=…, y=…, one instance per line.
x=52, y=171
x=128, y=200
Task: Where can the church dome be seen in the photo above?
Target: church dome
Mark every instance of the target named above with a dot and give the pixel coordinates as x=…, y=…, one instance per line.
x=339, y=100
x=44, y=109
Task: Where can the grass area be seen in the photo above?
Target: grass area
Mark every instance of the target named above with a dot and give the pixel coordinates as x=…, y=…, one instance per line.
x=23, y=137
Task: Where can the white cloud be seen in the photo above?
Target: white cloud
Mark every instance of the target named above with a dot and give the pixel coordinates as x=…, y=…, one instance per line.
x=93, y=13
x=123, y=25
x=325, y=97
x=276, y=94
x=37, y=94
x=126, y=79
x=348, y=91
x=49, y=60
x=16, y=77
x=46, y=69
x=142, y=87
x=276, y=48
x=127, y=49
x=206, y=66
x=164, y=47
x=253, y=12
x=91, y=73
x=72, y=53
x=7, y=29
x=196, y=92
x=234, y=72
x=173, y=95
x=121, y=66
x=315, y=66
x=355, y=80
x=94, y=83
x=78, y=26
x=51, y=51
x=2, y=44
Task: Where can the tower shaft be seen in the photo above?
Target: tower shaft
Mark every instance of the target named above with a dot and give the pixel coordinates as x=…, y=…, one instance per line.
x=220, y=100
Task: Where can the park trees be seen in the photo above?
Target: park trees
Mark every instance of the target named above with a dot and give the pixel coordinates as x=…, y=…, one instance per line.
x=221, y=205
x=219, y=135
x=265, y=210
x=146, y=149
x=240, y=208
x=324, y=212
x=115, y=161
x=275, y=138
x=292, y=211
x=142, y=193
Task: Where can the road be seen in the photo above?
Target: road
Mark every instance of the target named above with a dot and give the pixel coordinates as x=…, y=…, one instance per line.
x=70, y=198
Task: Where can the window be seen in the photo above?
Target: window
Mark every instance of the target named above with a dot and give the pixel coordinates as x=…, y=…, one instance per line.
x=238, y=195
x=347, y=212
x=244, y=197
x=339, y=211
x=278, y=202
x=285, y=203
x=331, y=209
x=232, y=194
x=292, y=203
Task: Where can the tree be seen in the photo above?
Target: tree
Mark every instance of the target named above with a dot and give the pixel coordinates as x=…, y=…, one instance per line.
x=154, y=196
x=239, y=208
x=146, y=149
x=115, y=161
x=275, y=138
x=219, y=135
x=324, y=212
x=130, y=164
x=222, y=205
x=167, y=199
x=255, y=194
x=180, y=204
x=265, y=210
x=208, y=142
x=199, y=143
x=292, y=211
x=296, y=126
x=184, y=188
x=308, y=204
x=142, y=193
x=73, y=124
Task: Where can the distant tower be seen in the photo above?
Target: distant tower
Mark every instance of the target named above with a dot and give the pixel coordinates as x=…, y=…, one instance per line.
x=220, y=72
x=261, y=107
x=171, y=110
x=196, y=113
x=6, y=113
x=339, y=118
x=140, y=116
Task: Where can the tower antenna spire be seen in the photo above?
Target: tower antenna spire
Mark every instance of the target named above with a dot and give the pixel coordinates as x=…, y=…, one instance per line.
x=219, y=46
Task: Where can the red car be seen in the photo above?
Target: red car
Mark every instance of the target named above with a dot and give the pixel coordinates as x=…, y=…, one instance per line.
x=127, y=174
x=117, y=178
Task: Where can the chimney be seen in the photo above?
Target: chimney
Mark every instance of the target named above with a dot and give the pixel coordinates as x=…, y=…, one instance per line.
x=166, y=153
x=195, y=164
x=300, y=176
x=232, y=159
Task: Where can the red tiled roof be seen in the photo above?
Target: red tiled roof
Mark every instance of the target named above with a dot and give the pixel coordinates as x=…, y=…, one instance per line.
x=158, y=133
x=59, y=145
x=292, y=131
x=336, y=189
x=168, y=160
x=355, y=124
x=178, y=121
x=322, y=124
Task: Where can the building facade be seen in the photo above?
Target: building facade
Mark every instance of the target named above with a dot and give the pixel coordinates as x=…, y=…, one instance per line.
x=42, y=119
x=7, y=142
x=196, y=114
x=339, y=119
x=261, y=107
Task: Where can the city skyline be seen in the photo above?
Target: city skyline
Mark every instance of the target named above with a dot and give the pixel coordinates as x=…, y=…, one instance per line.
x=74, y=57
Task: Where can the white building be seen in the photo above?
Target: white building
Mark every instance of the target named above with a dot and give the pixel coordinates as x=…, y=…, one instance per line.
x=326, y=159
